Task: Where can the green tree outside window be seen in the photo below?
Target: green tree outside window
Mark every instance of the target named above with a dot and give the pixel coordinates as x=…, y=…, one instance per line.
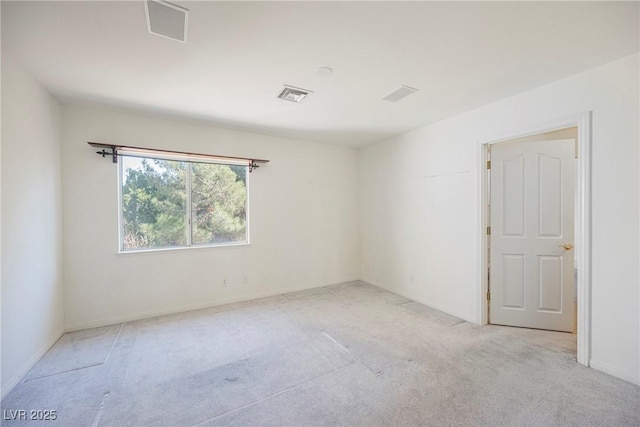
x=155, y=201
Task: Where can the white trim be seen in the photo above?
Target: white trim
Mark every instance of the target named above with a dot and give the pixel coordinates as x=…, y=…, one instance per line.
x=15, y=380
x=189, y=307
x=155, y=154
x=583, y=238
x=188, y=205
x=182, y=248
x=613, y=371
x=482, y=317
x=582, y=218
x=247, y=209
x=119, y=207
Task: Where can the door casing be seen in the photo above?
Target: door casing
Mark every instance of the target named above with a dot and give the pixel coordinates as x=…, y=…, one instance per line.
x=582, y=236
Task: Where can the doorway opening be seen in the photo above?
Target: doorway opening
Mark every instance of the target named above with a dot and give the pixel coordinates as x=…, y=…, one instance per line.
x=556, y=293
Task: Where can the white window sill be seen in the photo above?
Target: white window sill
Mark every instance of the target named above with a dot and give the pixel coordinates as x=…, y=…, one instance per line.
x=181, y=248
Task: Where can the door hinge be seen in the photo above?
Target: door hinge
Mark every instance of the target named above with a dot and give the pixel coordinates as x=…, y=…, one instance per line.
x=488, y=231
x=488, y=164
x=488, y=296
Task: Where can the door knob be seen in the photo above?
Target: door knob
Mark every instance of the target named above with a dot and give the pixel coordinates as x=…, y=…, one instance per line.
x=567, y=246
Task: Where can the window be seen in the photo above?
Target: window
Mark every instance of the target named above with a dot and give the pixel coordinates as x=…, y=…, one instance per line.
x=168, y=203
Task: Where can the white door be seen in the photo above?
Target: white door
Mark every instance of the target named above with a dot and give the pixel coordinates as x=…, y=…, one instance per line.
x=531, y=242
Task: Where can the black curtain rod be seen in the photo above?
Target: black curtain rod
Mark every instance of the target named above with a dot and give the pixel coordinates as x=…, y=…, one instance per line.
x=252, y=163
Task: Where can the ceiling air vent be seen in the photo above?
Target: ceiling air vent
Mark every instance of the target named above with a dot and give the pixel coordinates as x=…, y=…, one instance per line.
x=398, y=94
x=166, y=20
x=293, y=94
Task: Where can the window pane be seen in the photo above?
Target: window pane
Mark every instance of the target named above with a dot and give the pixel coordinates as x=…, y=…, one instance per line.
x=153, y=203
x=218, y=203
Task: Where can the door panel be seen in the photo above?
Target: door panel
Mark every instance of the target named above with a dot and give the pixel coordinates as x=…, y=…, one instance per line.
x=531, y=272
x=550, y=283
x=550, y=196
x=513, y=174
x=514, y=280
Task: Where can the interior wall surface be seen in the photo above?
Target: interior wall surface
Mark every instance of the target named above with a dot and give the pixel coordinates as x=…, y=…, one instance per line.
x=420, y=204
x=302, y=215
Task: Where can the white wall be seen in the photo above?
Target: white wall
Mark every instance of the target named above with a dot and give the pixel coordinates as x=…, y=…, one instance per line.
x=420, y=201
x=1, y=387
x=303, y=220
x=32, y=304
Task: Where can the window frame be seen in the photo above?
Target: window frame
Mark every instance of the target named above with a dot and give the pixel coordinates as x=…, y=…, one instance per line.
x=188, y=207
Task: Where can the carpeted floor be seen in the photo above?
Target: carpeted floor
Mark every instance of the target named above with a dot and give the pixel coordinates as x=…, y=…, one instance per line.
x=348, y=354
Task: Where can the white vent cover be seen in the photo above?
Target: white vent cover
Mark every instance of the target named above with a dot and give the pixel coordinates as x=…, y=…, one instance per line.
x=398, y=94
x=293, y=94
x=166, y=20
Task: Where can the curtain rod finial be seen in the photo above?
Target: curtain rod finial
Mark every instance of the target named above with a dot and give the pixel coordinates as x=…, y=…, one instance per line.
x=114, y=153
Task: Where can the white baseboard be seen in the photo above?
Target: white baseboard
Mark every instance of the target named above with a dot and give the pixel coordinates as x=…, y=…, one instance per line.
x=188, y=307
x=15, y=380
x=413, y=298
x=615, y=372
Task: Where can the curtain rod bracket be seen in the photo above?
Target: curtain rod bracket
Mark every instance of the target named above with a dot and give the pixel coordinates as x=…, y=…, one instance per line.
x=253, y=165
x=113, y=153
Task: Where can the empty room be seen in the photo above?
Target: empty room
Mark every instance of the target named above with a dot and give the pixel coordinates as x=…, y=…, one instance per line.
x=320, y=213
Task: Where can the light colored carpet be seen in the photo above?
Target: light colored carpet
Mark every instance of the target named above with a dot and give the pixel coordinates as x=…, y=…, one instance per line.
x=80, y=350
x=349, y=354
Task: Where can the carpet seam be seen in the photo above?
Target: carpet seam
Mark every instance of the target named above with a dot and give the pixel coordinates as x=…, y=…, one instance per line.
x=113, y=344
x=63, y=372
x=272, y=395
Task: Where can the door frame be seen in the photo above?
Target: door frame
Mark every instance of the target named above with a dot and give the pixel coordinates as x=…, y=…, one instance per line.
x=582, y=220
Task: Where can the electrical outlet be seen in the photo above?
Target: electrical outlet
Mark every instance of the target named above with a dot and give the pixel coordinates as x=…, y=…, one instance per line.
x=412, y=278
x=245, y=280
x=224, y=282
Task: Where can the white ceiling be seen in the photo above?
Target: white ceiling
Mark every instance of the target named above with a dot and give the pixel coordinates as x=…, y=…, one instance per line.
x=460, y=55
